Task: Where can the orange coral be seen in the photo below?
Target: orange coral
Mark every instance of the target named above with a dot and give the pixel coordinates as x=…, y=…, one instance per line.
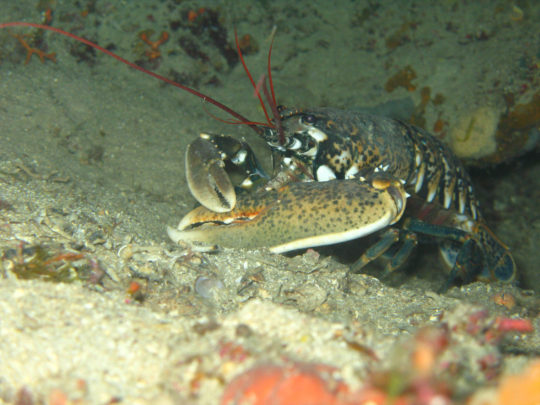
x=154, y=52
x=399, y=37
x=513, y=131
x=30, y=51
x=523, y=116
x=403, y=78
x=48, y=16
x=438, y=126
x=193, y=14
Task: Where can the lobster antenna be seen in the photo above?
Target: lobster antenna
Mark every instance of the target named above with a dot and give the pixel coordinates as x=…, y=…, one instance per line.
x=272, y=36
x=262, y=84
x=206, y=98
x=273, y=104
x=255, y=87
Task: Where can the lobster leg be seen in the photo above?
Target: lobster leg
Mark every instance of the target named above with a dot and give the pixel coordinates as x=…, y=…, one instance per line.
x=499, y=260
x=481, y=254
x=395, y=243
x=387, y=240
x=408, y=243
x=469, y=264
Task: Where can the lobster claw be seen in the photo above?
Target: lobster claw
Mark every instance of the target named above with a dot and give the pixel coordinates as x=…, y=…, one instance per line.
x=299, y=215
x=207, y=179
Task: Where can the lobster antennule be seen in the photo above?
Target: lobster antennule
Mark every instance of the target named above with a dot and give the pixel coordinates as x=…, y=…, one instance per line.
x=255, y=126
x=278, y=126
x=271, y=83
x=272, y=102
x=262, y=84
x=246, y=69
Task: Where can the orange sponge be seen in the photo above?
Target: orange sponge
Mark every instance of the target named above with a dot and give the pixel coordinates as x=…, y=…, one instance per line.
x=294, y=384
x=522, y=389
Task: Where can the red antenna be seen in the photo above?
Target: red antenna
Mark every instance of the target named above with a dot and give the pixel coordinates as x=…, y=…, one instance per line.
x=256, y=126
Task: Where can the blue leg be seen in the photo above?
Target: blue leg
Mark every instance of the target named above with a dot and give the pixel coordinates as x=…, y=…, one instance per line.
x=388, y=239
x=409, y=242
x=481, y=254
x=469, y=264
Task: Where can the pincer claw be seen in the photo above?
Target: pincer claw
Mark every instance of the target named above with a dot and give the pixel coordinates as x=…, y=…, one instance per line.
x=207, y=179
x=298, y=215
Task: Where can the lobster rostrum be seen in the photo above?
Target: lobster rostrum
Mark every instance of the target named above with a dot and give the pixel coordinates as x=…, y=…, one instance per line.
x=340, y=175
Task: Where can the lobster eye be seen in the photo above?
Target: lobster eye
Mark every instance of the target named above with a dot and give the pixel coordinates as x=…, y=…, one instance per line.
x=308, y=119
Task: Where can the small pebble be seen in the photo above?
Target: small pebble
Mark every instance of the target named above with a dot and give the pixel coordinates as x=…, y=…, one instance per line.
x=206, y=287
x=243, y=330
